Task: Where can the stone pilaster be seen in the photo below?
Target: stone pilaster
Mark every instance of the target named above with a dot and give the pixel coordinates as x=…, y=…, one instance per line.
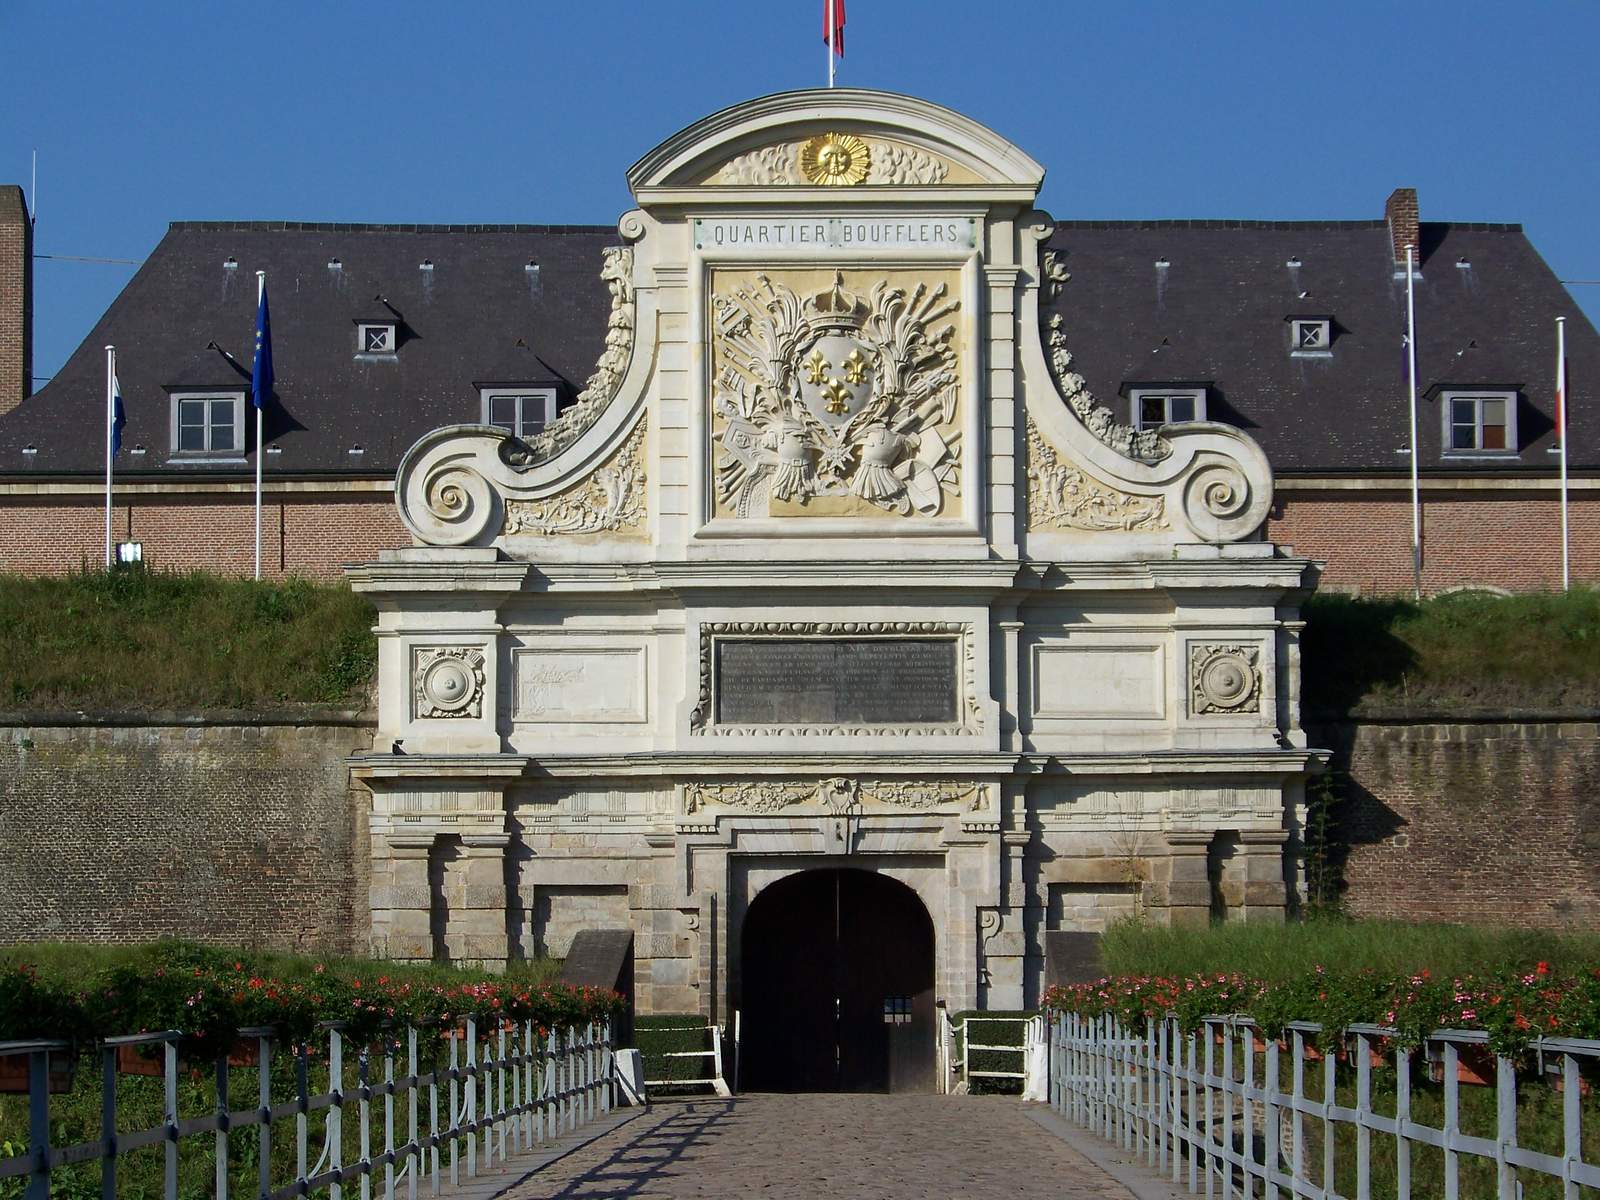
x=1265, y=893
x=1188, y=886
x=402, y=898
x=475, y=901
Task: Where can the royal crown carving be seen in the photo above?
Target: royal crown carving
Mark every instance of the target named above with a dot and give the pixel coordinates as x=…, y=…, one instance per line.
x=835, y=394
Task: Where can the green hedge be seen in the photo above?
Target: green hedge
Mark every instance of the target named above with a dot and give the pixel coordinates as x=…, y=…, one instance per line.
x=658, y=1036
x=985, y=1033
x=81, y=993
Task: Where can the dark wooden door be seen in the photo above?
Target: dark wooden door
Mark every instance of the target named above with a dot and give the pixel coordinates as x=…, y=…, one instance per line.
x=836, y=990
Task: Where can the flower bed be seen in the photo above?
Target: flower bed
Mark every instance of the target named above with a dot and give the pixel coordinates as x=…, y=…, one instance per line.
x=1513, y=1007
x=208, y=994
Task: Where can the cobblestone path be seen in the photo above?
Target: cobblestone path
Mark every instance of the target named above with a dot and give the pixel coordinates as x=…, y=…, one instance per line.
x=829, y=1147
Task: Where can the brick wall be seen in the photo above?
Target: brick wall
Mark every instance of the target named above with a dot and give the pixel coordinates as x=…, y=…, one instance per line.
x=245, y=834
x=311, y=534
x=16, y=298
x=1510, y=540
x=1491, y=823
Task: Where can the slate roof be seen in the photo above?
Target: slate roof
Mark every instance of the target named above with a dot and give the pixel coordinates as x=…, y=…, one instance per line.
x=479, y=315
x=1218, y=314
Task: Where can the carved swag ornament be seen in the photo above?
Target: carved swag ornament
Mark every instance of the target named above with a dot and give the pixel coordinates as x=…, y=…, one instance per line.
x=835, y=395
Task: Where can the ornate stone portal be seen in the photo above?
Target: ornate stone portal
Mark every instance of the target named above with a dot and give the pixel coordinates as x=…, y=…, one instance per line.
x=835, y=562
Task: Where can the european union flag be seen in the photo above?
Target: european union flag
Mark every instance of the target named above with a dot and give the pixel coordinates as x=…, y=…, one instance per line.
x=118, y=417
x=261, y=368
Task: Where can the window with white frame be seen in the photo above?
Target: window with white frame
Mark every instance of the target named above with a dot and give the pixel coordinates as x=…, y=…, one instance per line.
x=208, y=423
x=1311, y=335
x=375, y=338
x=522, y=411
x=1480, y=422
x=1155, y=407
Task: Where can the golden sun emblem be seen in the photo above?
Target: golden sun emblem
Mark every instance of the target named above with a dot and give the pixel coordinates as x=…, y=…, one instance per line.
x=835, y=159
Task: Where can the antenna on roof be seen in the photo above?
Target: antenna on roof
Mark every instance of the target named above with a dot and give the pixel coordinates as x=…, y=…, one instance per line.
x=33, y=193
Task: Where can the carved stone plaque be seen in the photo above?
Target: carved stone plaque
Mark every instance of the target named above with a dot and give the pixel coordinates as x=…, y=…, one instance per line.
x=837, y=681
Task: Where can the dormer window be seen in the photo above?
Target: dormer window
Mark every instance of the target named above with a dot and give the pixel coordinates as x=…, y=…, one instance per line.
x=1480, y=423
x=1310, y=335
x=1155, y=407
x=522, y=411
x=375, y=337
x=208, y=424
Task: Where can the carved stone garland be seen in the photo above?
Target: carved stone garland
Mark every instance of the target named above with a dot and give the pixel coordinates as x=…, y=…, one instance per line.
x=612, y=498
x=838, y=796
x=1063, y=496
x=700, y=720
x=1144, y=445
x=617, y=272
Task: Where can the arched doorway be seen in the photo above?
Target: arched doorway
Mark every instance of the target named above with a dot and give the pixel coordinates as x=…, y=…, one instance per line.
x=836, y=986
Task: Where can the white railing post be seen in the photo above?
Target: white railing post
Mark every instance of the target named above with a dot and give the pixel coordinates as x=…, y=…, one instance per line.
x=336, y=1110
x=1505, y=1096
x=364, y=1119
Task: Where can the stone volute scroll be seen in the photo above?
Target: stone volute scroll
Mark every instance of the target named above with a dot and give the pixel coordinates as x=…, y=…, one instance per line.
x=584, y=473
x=1196, y=481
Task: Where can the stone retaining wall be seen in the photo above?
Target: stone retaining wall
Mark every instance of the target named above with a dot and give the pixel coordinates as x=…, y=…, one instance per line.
x=1484, y=822
x=244, y=831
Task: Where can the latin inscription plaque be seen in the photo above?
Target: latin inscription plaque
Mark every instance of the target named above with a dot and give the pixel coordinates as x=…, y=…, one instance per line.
x=836, y=681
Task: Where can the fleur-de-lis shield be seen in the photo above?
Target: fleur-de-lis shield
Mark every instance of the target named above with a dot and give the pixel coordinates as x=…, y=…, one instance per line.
x=836, y=378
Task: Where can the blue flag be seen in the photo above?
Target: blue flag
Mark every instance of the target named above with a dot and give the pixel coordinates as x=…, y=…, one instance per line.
x=261, y=368
x=118, y=417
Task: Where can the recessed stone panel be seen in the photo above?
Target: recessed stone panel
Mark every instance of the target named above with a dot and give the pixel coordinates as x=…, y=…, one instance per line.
x=563, y=685
x=1087, y=682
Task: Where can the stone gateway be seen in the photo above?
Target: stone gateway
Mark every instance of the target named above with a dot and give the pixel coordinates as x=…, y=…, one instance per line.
x=835, y=639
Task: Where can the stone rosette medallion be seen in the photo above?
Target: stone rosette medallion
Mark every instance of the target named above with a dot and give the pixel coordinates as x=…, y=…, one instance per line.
x=448, y=682
x=1224, y=678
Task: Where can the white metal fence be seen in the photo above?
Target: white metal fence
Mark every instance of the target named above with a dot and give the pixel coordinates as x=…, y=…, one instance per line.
x=506, y=1088
x=1224, y=1112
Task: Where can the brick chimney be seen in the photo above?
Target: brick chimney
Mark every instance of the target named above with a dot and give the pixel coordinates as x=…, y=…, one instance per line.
x=16, y=298
x=1404, y=223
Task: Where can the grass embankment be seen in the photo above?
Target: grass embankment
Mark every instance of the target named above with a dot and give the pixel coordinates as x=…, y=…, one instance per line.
x=1278, y=952
x=1460, y=653
x=143, y=640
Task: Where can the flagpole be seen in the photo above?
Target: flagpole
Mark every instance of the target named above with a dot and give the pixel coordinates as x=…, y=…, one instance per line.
x=261, y=287
x=833, y=33
x=1416, y=452
x=1561, y=418
x=111, y=373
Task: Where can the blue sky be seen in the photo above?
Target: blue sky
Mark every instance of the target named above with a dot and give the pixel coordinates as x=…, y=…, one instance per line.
x=160, y=111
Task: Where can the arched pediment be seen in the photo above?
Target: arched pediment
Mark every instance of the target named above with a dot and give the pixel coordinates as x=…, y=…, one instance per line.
x=763, y=143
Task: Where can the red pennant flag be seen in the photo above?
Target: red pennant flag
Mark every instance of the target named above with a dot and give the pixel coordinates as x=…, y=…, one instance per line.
x=833, y=25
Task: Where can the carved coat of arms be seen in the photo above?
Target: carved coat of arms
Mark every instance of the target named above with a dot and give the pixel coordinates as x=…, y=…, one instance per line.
x=835, y=395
